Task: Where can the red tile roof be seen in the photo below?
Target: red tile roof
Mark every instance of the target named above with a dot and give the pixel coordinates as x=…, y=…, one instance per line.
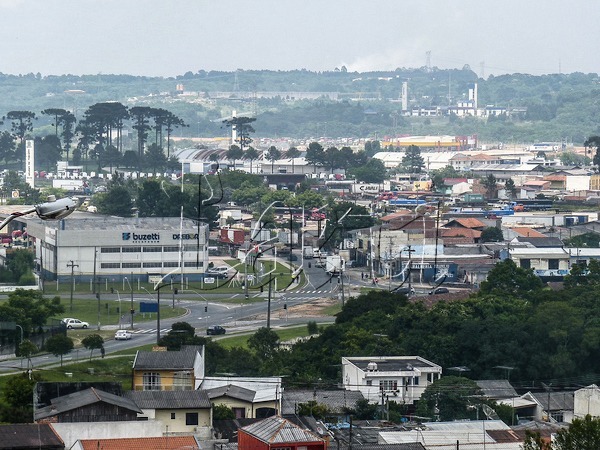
x=468, y=222
x=395, y=216
x=460, y=232
x=151, y=443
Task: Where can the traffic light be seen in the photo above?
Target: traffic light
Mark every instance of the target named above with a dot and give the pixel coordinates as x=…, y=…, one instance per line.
x=132, y=311
x=206, y=309
x=175, y=290
x=262, y=289
x=285, y=306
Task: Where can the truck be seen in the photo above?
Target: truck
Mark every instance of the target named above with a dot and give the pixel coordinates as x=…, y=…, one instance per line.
x=308, y=252
x=334, y=265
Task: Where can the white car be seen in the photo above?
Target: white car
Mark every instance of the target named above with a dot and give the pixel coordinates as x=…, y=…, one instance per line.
x=122, y=335
x=74, y=323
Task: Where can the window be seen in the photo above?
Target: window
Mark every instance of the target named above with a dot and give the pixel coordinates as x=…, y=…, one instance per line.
x=369, y=382
x=110, y=249
x=110, y=265
x=182, y=381
x=151, y=381
x=190, y=248
x=191, y=418
x=388, y=385
x=525, y=263
x=172, y=416
x=193, y=264
x=152, y=249
x=171, y=264
x=171, y=249
x=553, y=264
x=132, y=249
x=152, y=264
x=131, y=265
x=416, y=381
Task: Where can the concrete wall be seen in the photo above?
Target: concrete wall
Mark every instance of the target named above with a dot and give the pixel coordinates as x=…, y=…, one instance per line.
x=72, y=432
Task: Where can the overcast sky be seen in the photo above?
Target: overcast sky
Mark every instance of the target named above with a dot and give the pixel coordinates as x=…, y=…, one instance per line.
x=171, y=37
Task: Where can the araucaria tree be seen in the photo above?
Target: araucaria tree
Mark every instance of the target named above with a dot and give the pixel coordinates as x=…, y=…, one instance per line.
x=242, y=128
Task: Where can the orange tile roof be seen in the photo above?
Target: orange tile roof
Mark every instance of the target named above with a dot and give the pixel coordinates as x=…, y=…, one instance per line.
x=396, y=215
x=460, y=232
x=150, y=443
x=468, y=222
x=527, y=232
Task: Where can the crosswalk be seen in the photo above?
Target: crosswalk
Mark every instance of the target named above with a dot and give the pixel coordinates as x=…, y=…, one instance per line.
x=321, y=291
x=151, y=330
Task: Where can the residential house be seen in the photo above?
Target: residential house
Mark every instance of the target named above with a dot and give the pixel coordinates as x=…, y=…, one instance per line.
x=525, y=405
x=402, y=379
x=277, y=433
x=181, y=370
x=140, y=443
x=247, y=397
x=90, y=405
x=557, y=406
x=27, y=436
x=587, y=401
x=337, y=402
x=178, y=411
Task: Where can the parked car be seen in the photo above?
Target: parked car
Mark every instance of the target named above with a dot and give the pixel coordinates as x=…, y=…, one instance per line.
x=440, y=290
x=215, y=329
x=404, y=290
x=122, y=335
x=71, y=323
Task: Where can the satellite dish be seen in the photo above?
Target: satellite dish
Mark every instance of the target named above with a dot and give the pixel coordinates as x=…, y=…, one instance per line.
x=489, y=413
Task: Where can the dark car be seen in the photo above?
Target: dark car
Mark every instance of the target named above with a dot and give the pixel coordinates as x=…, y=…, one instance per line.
x=440, y=290
x=215, y=329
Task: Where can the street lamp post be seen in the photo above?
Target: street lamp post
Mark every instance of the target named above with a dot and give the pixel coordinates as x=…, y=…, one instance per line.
x=131, y=308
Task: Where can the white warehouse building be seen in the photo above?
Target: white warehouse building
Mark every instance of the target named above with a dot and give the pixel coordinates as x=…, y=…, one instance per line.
x=113, y=248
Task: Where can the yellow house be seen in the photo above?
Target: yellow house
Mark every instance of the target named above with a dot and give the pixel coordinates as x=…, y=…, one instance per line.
x=176, y=411
x=181, y=370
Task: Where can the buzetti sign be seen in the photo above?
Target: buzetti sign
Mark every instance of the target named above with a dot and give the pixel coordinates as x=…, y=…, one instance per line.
x=135, y=237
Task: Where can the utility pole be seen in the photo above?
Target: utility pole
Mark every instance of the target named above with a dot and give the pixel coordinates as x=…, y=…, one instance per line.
x=410, y=252
x=269, y=305
x=72, y=265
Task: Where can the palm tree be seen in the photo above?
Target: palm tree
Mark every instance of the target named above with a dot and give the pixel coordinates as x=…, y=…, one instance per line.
x=272, y=155
x=292, y=153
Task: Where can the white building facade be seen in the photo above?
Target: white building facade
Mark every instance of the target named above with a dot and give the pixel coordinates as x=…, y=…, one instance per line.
x=402, y=379
x=113, y=248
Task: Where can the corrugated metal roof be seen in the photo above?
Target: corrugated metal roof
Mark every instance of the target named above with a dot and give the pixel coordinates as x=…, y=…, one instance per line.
x=337, y=401
x=277, y=430
x=182, y=359
x=83, y=398
x=231, y=391
x=169, y=399
x=497, y=388
x=26, y=435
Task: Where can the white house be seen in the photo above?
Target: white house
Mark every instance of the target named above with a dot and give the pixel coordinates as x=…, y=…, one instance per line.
x=399, y=378
x=587, y=401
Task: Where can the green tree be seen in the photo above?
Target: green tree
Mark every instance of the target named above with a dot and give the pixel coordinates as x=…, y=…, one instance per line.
x=233, y=154
x=413, y=162
x=312, y=408
x=59, y=345
x=21, y=123
x=449, y=398
x=110, y=157
x=242, y=128
x=365, y=410
x=273, y=154
x=223, y=412
x=508, y=279
x=373, y=172
x=19, y=262
x=315, y=155
x=251, y=155
x=116, y=202
x=534, y=441
x=18, y=395
x=511, y=189
x=141, y=116
x=155, y=158
x=492, y=234
x=589, y=239
x=181, y=333
x=7, y=146
x=582, y=434
x=92, y=342
x=490, y=184
x=264, y=343
x=593, y=142
x=439, y=175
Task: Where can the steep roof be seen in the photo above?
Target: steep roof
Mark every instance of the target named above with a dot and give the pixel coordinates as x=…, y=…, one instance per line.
x=232, y=391
x=83, y=398
x=528, y=232
x=466, y=222
x=182, y=359
x=150, y=443
x=169, y=399
x=460, y=232
x=276, y=430
x=496, y=388
x=29, y=435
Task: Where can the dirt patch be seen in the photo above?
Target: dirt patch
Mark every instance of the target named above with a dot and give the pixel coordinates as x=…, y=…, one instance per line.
x=314, y=308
